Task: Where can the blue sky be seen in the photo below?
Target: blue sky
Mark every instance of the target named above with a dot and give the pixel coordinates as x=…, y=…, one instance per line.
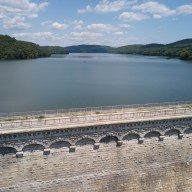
x=105, y=22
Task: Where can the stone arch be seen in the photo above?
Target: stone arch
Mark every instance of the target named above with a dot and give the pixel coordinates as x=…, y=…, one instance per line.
x=7, y=150
x=60, y=144
x=17, y=147
x=188, y=130
x=152, y=134
x=98, y=139
x=85, y=141
x=172, y=132
x=33, y=147
x=107, y=139
x=71, y=142
x=179, y=128
x=131, y=136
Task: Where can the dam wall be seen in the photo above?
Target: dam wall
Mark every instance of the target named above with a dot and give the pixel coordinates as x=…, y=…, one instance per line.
x=139, y=155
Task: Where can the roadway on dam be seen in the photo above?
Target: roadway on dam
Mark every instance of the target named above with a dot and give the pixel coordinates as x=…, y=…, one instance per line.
x=60, y=119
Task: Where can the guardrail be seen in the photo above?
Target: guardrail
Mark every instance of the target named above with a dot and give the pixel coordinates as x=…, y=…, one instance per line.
x=83, y=119
x=90, y=110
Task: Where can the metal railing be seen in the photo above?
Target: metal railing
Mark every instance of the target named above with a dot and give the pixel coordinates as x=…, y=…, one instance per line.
x=181, y=110
x=90, y=110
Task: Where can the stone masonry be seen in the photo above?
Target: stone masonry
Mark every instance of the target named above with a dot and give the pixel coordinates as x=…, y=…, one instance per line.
x=137, y=156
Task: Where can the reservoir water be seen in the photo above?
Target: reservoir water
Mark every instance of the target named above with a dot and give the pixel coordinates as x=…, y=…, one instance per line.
x=86, y=80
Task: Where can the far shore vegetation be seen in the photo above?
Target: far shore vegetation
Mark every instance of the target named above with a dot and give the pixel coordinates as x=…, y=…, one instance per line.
x=181, y=49
x=11, y=49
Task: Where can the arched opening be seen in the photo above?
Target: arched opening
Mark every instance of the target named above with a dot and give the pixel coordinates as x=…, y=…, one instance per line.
x=131, y=137
x=33, y=147
x=7, y=150
x=60, y=144
x=85, y=141
x=109, y=139
x=188, y=131
x=152, y=134
x=172, y=133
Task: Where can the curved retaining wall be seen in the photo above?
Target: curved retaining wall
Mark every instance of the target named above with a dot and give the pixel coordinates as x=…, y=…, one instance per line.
x=138, y=156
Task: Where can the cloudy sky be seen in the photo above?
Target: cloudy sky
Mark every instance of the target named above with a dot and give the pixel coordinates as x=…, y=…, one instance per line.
x=106, y=22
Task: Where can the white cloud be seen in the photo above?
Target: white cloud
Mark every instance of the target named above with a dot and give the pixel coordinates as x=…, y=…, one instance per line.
x=34, y=36
x=119, y=33
x=21, y=7
x=131, y=16
x=58, y=26
x=124, y=25
x=184, y=9
x=154, y=8
x=18, y=10
x=76, y=38
x=119, y=41
x=45, y=23
x=159, y=10
x=2, y=16
x=157, y=16
x=15, y=23
x=88, y=8
x=77, y=24
x=84, y=37
x=85, y=34
x=105, y=6
x=55, y=25
x=78, y=27
x=101, y=27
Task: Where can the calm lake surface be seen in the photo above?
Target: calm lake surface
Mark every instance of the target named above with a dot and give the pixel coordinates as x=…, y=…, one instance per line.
x=85, y=80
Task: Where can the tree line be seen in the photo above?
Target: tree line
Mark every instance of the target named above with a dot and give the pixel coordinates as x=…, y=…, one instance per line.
x=181, y=49
x=10, y=48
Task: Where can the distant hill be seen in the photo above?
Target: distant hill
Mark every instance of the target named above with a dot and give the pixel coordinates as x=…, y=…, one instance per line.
x=88, y=49
x=181, y=43
x=181, y=49
x=55, y=49
x=128, y=49
x=153, y=45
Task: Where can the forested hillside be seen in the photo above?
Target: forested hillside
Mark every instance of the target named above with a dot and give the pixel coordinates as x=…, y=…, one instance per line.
x=180, y=49
x=10, y=48
x=88, y=49
x=55, y=49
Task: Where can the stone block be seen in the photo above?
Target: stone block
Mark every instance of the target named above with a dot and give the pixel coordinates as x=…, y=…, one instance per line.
x=19, y=154
x=46, y=151
x=119, y=143
x=181, y=135
x=141, y=140
x=161, y=138
x=96, y=145
x=72, y=148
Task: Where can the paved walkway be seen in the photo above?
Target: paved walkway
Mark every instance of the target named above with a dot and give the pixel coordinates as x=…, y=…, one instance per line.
x=88, y=118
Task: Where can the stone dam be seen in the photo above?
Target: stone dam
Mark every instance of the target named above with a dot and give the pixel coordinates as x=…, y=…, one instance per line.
x=113, y=149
